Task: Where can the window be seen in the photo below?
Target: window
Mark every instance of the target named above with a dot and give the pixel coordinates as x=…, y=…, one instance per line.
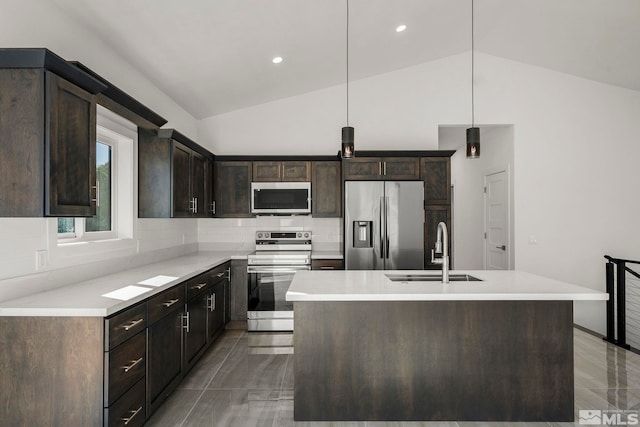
x=114, y=183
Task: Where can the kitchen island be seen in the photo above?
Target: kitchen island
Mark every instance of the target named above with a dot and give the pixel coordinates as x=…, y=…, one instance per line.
x=368, y=348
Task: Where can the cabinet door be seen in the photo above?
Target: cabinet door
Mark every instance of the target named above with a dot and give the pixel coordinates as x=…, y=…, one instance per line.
x=21, y=136
x=400, y=168
x=238, y=290
x=70, y=148
x=164, y=358
x=362, y=168
x=208, y=187
x=180, y=173
x=296, y=171
x=232, y=189
x=436, y=174
x=326, y=190
x=195, y=337
x=216, y=306
x=267, y=171
x=433, y=215
x=198, y=185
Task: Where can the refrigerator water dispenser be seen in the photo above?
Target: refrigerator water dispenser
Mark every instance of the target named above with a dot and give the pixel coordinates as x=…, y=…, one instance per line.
x=362, y=234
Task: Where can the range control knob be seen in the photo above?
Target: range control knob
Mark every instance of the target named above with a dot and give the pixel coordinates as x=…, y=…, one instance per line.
x=306, y=235
x=299, y=235
x=259, y=235
x=266, y=235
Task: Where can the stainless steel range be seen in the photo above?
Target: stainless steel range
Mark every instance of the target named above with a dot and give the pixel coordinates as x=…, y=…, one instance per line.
x=278, y=255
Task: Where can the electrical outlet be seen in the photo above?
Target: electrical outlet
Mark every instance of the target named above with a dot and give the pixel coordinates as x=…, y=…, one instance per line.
x=41, y=260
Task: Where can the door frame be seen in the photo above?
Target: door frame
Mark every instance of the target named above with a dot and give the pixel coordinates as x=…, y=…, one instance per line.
x=510, y=253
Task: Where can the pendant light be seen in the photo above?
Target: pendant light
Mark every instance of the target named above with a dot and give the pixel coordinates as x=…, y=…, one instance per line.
x=347, y=131
x=473, y=133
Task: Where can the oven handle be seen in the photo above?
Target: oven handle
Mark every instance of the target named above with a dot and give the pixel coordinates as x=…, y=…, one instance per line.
x=277, y=269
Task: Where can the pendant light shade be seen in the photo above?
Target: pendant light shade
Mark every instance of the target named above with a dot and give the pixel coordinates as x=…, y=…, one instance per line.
x=473, y=133
x=347, y=142
x=347, y=131
x=473, y=143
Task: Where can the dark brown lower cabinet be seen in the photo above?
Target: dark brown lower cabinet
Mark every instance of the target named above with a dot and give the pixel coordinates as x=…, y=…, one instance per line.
x=165, y=358
x=195, y=332
x=115, y=371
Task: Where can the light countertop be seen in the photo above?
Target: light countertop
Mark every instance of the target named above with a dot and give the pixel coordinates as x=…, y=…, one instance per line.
x=367, y=285
x=86, y=299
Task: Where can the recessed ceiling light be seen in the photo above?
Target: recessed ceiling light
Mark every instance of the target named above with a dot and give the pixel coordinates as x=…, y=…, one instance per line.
x=277, y=60
x=401, y=28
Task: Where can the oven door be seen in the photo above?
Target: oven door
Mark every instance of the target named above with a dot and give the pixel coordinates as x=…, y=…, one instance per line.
x=268, y=309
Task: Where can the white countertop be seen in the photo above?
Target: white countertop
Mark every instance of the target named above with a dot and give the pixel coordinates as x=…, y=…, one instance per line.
x=367, y=285
x=86, y=298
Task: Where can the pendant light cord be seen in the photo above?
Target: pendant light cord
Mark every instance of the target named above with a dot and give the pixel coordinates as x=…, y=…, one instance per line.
x=347, y=62
x=473, y=109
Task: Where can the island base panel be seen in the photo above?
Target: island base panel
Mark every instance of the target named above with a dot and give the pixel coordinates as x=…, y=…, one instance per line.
x=433, y=360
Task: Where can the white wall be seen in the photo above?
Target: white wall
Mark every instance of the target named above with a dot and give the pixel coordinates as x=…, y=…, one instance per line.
x=575, y=150
x=34, y=23
x=467, y=179
x=28, y=23
x=393, y=111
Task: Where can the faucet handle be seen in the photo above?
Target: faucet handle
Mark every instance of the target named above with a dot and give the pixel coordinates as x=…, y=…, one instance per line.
x=435, y=260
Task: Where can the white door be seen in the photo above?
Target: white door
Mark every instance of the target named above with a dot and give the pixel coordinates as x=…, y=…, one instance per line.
x=496, y=221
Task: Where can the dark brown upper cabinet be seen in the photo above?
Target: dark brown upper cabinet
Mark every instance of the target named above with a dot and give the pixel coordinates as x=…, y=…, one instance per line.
x=275, y=171
x=381, y=168
x=48, y=134
x=232, y=189
x=326, y=189
x=172, y=176
x=436, y=174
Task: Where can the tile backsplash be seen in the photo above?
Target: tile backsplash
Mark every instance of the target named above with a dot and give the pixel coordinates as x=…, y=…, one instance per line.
x=239, y=233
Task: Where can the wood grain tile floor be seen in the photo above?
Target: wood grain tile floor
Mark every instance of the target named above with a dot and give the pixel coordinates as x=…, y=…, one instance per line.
x=246, y=380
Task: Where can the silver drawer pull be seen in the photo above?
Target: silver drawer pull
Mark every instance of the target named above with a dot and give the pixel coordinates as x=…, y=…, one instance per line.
x=132, y=324
x=130, y=367
x=170, y=302
x=220, y=274
x=133, y=414
x=327, y=267
x=200, y=286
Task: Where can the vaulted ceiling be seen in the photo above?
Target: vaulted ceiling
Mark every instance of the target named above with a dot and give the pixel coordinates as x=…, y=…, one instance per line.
x=214, y=56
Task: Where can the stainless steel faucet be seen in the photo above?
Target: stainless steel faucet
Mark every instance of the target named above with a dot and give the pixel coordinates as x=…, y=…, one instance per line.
x=442, y=247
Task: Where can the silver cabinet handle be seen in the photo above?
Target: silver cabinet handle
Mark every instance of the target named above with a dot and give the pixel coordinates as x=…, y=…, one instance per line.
x=327, y=267
x=97, y=199
x=170, y=302
x=228, y=273
x=195, y=205
x=220, y=274
x=185, y=317
x=199, y=286
x=384, y=168
x=379, y=168
x=133, y=414
x=134, y=363
x=211, y=304
x=191, y=208
x=132, y=324
x=213, y=207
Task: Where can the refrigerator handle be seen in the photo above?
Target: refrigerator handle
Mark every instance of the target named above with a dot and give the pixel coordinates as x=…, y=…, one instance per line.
x=386, y=230
x=383, y=227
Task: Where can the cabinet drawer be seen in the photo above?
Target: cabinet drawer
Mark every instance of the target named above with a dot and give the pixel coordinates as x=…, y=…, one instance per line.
x=165, y=302
x=126, y=365
x=129, y=410
x=124, y=325
x=220, y=272
x=327, y=264
x=197, y=285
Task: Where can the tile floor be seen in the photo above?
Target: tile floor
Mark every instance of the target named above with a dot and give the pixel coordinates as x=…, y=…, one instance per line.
x=246, y=379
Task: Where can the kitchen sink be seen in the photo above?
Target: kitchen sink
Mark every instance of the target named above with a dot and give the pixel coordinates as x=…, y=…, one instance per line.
x=422, y=277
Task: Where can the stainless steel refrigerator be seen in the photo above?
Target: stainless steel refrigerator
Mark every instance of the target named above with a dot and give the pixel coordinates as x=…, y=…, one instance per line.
x=384, y=225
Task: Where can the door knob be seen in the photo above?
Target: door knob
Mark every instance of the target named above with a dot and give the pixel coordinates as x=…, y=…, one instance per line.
x=503, y=247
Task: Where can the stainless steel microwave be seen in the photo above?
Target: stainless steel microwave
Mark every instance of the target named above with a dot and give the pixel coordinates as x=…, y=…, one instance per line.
x=280, y=198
